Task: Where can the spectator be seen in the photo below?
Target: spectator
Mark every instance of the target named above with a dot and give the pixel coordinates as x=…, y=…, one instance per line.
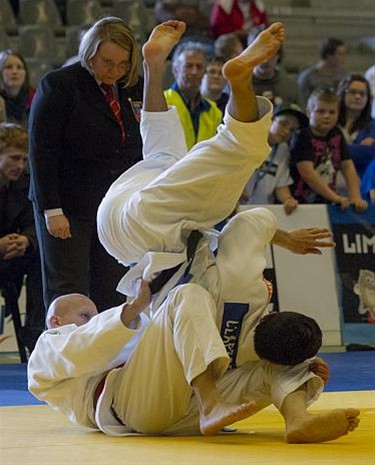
x=15, y=87
x=270, y=183
x=214, y=83
x=237, y=16
x=199, y=116
x=79, y=146
x=197, y=23
x=228, y=46
x=370, y=76
x=319, y=152
x=368, y=183
x=19, y=254
x=355, y=120
x=271, y=81
x=328, y=72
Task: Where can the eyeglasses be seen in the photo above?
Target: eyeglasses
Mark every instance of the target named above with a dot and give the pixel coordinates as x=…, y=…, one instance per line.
x=353, y=92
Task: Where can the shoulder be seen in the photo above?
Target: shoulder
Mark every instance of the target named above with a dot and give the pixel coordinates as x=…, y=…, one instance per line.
x=303, y=134
x=66, y=75
x=136, y=91
x=306, y=73
x=335, y=132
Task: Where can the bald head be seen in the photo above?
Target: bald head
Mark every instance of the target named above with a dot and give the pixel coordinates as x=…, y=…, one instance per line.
x=70, y=309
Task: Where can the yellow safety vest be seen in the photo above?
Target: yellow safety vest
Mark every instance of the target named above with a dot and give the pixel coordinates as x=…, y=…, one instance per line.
x=208, y=120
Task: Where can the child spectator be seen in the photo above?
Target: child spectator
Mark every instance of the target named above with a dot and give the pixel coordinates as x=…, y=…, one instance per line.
x=213, y=83
x=319, y=152
x=270, y=183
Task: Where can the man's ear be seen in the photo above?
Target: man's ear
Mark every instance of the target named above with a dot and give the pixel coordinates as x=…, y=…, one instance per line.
x=54, y=322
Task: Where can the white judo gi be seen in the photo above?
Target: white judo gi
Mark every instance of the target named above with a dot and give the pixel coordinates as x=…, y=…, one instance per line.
x=193, y=325
x=148, y=213
x=151, y=393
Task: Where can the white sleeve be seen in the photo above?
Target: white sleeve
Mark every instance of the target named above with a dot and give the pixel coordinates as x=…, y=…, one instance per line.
x=71, y=351
x=241, y=252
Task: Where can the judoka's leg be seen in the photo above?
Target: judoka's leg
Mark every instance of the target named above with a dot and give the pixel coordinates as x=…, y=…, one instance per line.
x=179, y=354
x=158, y=139
x=204, y=187
x=291, y=390
x=163, y=145
x=304, y=427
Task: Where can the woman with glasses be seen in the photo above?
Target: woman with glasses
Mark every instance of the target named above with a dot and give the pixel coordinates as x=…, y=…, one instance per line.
x=355, y=119
x=84, y=130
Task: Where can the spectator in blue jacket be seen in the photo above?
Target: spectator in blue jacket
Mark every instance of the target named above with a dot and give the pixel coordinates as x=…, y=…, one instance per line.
x=355, y=120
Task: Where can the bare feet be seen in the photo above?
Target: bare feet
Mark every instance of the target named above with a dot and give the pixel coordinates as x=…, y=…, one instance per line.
x=223, y=415
x=262, y=49
x=162, y=40
x=323, y=427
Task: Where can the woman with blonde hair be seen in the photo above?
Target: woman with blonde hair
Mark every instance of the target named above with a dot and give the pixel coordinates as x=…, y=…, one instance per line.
x=84, y=130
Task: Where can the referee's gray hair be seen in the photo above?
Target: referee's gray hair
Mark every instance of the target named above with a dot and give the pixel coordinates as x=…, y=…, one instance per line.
x=111, y=29
x=188, y=47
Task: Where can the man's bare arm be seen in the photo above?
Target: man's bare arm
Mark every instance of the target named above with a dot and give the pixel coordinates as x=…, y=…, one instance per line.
x=131, y=311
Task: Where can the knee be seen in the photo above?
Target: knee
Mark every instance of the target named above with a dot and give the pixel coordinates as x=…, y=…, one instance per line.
x=190, y=299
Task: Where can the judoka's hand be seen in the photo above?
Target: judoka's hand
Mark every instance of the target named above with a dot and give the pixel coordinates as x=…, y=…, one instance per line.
x=130, y=311
x=304, y=241
x=321, y=369
x=143, y=295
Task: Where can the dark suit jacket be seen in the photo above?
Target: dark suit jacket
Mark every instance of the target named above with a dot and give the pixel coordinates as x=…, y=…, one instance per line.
x=17, y=211
x=75, y=141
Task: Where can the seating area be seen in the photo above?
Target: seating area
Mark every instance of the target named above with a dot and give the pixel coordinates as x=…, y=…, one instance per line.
x=47, y=32
x=47, y=36
x=309, y=21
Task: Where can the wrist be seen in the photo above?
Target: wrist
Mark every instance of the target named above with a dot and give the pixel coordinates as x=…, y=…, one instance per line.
x=130, y=315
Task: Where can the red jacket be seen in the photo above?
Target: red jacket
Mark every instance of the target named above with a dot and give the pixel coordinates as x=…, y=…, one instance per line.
x=223, y=23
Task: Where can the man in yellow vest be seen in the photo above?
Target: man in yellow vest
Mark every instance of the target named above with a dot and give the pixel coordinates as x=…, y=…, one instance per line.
x=199, y=116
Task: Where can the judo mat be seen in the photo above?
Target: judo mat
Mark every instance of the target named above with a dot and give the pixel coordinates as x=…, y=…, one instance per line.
x=37, y=435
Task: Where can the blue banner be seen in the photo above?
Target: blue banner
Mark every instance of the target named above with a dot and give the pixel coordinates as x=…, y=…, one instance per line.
x=354, y=235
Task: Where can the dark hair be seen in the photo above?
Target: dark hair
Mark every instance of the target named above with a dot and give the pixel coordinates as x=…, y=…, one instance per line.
x=328, y=47
x=216, y=60
x=287, y=338
x=365, y=117
x=225, y=44
x=4, y=55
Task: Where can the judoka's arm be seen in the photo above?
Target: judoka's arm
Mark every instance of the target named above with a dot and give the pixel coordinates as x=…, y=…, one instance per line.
x=130, y=312
x=72, y=351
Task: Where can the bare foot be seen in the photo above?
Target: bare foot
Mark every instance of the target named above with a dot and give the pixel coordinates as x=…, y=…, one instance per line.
x=262, y=49
x=162, y=40
x=223, y=415
x=323, y=427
